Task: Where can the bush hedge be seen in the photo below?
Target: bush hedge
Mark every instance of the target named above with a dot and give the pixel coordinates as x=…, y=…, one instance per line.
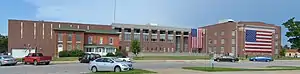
x=72, y=53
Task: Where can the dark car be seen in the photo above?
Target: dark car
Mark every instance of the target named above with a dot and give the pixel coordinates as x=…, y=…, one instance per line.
x=86, y=58
x=264, y=59
x=226, y=58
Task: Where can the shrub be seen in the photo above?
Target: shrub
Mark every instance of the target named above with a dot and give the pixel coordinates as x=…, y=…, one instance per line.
x=119, y=54
x=64, y=54
x=72, y=53
x=76, y=53
x=110, y=55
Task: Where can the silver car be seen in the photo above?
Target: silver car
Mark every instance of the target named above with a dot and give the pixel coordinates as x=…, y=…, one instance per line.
x=7, y=60
x=109, y=64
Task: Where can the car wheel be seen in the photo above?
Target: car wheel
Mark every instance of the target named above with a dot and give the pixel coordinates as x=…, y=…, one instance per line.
x=47, y=63
x=218, y=60
x=254, y=60
x=14, y=64
x=94, y=69
x=267, y=60
x=232, y=60
x=35, y=63
x=117, y=69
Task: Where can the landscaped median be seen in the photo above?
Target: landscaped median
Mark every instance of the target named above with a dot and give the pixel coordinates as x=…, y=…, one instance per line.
x=135, y=71
x=218, y=69
x=172, y=58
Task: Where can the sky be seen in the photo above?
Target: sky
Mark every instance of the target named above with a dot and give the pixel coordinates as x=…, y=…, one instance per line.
x=176, y=13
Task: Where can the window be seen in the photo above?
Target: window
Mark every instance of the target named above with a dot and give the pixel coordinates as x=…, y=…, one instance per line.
x=127, y=37
x=215, y=41
x=100, y=60
x=59, y=36
x=153, y=37
x=101, y=40
x=215, y=33
x=222, y=49
x=222, y=33
x=70, y=46
x=145, y=37
x=233, y=33
x=222, y=41
x=69, y=36
x=90, y=40
x=233, y=49
x=276, y=36
x=110, y=40
x=78, y=46
x=162, y=37
x=170, y=38
x=214, y=49
x=78, y=37
x=232, y=41
x=209, y=41
x=137, y=37
x=209, y=49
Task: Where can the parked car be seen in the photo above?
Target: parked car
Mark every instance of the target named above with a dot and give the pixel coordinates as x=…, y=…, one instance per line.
x=125, y=58
x=226, y=58
x=110, y=64
x=7, y=60
x=36, y=58
x=86, y=58
x=265, y=59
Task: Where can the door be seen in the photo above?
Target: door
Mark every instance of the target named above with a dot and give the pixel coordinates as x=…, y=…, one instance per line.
x=59, y=48
x=108, y=66
x=100, y=64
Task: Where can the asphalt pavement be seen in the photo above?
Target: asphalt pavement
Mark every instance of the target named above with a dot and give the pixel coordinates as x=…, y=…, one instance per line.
x=80, y=68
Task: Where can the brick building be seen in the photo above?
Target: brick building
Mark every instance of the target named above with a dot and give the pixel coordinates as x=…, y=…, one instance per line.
x=52, y=37
x=154, y=38
x=241, y=38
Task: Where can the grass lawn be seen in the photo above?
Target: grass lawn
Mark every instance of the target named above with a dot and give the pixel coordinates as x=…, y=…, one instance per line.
x=66, y=59
x=218, y=69
x=171, y=58
x=286, y=58
x=135, y=71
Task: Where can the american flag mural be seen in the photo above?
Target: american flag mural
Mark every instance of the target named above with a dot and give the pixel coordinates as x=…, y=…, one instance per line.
x=196, y=38
x=258, y=39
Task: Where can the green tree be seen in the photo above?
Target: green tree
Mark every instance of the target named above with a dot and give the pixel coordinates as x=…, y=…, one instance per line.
x=282, y=52
x=3, y=43
x=293, y=32
x=135, y=47
x=286, y=47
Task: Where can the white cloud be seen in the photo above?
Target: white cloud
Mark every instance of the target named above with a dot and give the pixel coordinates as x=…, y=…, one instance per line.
x=90, y=11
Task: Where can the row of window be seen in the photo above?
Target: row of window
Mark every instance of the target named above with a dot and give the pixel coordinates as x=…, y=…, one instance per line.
x=110, y=40
x=70, y=34
x=154, y=37
x=108, y=50
x=221, y=50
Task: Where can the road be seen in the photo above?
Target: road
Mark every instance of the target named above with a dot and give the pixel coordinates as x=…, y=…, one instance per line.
x=78, y=68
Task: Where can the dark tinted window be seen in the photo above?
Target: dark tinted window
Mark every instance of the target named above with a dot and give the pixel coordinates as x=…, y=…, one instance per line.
x=0, y=57
x=106, y=60
x=100, y=60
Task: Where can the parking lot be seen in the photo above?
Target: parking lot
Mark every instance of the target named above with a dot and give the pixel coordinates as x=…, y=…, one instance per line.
x=79, y=68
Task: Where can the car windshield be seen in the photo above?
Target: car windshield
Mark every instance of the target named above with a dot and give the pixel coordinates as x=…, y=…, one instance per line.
x=7, y=57
x=117, y=59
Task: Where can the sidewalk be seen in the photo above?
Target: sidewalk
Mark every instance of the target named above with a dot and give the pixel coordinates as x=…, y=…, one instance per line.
x=200, y=60
x=176, y=71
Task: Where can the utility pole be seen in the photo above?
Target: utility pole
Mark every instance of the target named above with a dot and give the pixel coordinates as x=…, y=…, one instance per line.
x=115, y=7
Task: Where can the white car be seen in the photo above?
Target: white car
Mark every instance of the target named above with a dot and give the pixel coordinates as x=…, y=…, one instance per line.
x=124, y=58
x=109, y=64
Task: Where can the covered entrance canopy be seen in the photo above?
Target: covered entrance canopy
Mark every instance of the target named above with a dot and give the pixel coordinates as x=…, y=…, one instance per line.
x=100, y=49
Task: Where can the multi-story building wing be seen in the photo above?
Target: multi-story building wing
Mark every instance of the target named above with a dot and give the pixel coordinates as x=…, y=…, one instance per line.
x=242, y=38
x=154, y=38
x=52, y=37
